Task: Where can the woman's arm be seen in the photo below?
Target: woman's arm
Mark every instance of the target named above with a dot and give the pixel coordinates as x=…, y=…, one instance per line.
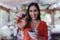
x=45, y=32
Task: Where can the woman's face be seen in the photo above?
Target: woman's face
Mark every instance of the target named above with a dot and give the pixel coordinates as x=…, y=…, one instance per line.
x=33, y=12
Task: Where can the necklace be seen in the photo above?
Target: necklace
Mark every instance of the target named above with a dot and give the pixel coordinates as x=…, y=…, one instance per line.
x=34, y=25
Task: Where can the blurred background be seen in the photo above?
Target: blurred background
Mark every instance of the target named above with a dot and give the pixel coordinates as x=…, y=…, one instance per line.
x=50, y=13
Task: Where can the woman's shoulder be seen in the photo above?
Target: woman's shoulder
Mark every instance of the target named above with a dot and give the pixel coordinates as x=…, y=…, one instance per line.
x=43, y=22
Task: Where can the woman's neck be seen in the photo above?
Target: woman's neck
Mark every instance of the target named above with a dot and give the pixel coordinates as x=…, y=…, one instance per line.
x=34, y=20
x=34, y=24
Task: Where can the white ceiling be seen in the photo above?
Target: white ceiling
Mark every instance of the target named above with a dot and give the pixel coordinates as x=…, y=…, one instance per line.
x=14, y=3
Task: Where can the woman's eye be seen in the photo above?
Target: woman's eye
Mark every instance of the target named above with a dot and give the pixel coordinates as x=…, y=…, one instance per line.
x=30, y=10
x=33, y=10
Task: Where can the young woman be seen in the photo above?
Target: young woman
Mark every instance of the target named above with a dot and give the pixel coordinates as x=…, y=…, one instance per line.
x=33, y=22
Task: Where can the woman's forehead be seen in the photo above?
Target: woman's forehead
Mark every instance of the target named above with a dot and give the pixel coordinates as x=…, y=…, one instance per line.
x=33, y=7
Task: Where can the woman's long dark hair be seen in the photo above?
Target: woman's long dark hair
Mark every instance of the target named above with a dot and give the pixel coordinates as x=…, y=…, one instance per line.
x=27, y=12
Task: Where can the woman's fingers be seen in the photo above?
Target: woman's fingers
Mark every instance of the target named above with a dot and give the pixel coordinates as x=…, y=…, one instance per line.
x=18, y=19
x=25, y=18
x=34, y=37
x=20, y=15
x=21, y=21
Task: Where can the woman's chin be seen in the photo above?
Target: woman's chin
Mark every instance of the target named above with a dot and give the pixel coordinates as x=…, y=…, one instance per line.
x=33, y=18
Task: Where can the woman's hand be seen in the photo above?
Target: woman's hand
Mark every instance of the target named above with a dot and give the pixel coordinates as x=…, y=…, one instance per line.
x=21, y=22
x=33, y=35
x=36, y=37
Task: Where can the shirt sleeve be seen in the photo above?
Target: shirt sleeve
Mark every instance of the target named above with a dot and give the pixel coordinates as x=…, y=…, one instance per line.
x=45, y=32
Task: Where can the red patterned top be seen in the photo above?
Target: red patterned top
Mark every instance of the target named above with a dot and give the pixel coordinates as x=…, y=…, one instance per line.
x=42, y=31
